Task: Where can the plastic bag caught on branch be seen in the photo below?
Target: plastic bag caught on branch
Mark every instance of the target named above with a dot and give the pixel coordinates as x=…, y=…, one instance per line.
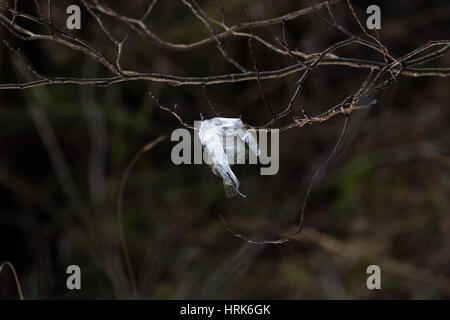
x=224, y=141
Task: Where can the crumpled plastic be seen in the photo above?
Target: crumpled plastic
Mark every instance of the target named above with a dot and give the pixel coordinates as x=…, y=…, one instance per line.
x=224, y=140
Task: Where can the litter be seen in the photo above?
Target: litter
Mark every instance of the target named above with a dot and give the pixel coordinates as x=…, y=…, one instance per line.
x=224, y=140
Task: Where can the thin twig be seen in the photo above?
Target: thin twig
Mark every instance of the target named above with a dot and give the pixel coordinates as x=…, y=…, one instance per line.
x=305, y=201
x=16, y=277
x=123, y=180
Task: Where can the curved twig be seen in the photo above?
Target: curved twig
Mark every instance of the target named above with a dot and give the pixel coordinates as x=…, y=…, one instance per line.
x=305, y=200
x=16, y=277
x=123, y=180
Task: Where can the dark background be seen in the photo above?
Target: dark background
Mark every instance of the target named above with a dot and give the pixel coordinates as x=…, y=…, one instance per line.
x=384, y=199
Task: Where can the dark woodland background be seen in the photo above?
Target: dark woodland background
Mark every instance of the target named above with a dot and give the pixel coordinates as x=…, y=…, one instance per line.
x=383, y=200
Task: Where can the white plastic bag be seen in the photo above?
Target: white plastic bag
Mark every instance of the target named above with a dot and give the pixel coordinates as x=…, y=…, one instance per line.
x=224, y=140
